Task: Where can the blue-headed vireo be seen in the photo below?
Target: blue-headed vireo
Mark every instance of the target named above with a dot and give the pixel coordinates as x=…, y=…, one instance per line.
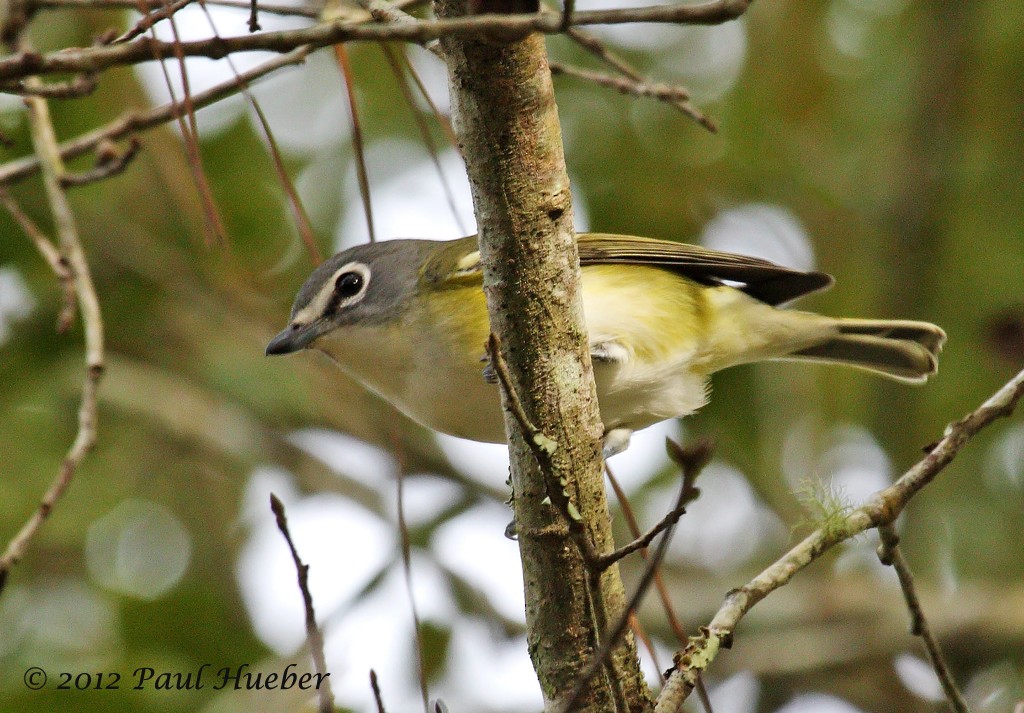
x=408, y=319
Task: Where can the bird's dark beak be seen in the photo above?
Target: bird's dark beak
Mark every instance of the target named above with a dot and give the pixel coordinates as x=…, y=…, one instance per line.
x=292, y=338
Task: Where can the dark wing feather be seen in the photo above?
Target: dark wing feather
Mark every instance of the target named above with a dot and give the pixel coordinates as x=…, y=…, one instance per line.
x=760, y=279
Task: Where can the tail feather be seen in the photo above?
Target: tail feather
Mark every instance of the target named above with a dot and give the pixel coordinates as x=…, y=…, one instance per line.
x=899, y=349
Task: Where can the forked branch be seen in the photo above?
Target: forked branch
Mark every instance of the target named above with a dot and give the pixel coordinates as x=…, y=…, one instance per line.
x=880, y=510
x=143, y=49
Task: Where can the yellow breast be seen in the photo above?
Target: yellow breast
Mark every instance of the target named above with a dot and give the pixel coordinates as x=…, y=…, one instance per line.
x=430, y=366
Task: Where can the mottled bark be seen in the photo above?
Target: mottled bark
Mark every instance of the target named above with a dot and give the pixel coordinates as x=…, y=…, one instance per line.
x=507, y=124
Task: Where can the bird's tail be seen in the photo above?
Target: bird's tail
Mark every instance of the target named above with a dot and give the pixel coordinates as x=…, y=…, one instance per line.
x=899, y=349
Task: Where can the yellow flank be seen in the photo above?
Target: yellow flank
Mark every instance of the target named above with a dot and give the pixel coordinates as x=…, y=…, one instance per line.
x=655, y=335
x=653, y=313
x=458, y=311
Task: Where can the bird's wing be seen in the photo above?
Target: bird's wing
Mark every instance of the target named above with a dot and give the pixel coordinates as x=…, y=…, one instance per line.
x=759, y=278
x=453, y=264
x=773, y=284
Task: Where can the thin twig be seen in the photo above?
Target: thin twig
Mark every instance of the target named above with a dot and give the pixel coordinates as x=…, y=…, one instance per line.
x=313, y=634
x=148, y=20
x=881, y=509
x=645, y=639
x=44, y=142
x=634, y=529
x=57, y=262
x=302, y=222
x=442, y=119
x=541, y=445
x=376, y=692
x=694, y=459
x=659, y=585
x=133, y=122
x=110, y=161
x=309, y=11
x=254, y=20
x=406, y=542
x=399, y=63
x=625, y=85
x=358, y=144
x=27, y=63
x=568, y=6
x=542, y=448
x=890, y=554
x=669, y=520
x=79, y=86
x=597, y=47
x=216, y=232
x=558, y=494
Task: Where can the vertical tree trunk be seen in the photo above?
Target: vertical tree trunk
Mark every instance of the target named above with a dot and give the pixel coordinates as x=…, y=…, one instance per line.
x=507, y=123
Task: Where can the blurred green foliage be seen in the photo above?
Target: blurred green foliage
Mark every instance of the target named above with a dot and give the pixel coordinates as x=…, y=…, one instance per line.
x=892, y=130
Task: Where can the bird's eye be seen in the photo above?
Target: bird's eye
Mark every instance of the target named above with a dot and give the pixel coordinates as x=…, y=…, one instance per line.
x=349, y=284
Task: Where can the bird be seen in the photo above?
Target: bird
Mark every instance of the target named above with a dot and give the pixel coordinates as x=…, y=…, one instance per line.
x=408, y=320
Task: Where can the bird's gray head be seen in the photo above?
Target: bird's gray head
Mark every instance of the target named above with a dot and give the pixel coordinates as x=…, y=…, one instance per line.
x=368, y=284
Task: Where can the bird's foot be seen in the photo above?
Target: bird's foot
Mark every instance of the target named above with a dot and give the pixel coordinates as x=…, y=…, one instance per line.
x=609, y=352
x=616, y=441
x=490, y=375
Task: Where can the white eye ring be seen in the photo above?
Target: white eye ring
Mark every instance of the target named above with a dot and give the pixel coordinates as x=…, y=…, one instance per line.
x=350, y=283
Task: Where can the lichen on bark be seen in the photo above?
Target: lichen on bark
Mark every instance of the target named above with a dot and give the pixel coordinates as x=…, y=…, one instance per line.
x=507, y=123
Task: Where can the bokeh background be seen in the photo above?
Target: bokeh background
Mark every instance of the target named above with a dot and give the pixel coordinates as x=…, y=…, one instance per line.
x=878, y=140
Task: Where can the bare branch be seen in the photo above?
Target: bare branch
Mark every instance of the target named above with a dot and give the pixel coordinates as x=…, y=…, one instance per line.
x=313, y=634
x=110, y=161
x=881, y=509
x=147, y=21
x=376, y=692
x=254, y=20
x=141, y=121
x=692, y=460
x=358, y=142
x=659, y=585
x=44, y=142
x=81, y=85
x=891, y=555
x=399, y=63
x=541, y=445
x=676, y=96
x=57, y=262
x=631, y=82
x=310, y=11
x=624, y=85
x=596, y=47
x=94, y=59
x=406, y=542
